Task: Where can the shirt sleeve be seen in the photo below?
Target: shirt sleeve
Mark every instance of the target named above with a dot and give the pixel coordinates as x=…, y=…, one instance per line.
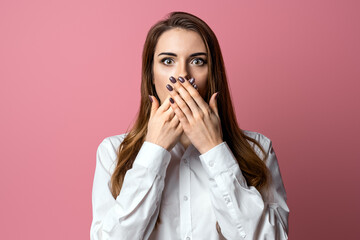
x=242, y=211
x=132, y=215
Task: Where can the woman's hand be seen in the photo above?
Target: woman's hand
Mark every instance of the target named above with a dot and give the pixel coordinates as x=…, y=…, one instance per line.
x=200, y=121
x=164, y=128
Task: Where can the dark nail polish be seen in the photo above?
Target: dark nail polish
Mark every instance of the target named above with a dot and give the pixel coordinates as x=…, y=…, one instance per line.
x=172, y=79
x=216, y=96
x=169, y=87
x=196, y=87
x=150, y=98
x=192, y=80
x=171, y=100
x=181, y=80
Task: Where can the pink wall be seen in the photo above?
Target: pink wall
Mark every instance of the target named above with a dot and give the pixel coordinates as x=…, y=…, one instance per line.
x=70, y=76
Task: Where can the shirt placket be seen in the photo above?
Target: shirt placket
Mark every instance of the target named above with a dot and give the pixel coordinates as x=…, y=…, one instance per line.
x=185, y=199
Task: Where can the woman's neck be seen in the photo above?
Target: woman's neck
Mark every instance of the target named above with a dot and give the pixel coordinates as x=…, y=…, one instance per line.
x=184, y=140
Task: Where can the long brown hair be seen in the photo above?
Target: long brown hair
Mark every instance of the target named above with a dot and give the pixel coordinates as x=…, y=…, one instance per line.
x=252, y=166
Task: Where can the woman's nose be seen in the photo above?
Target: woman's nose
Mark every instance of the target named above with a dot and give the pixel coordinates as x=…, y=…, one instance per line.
x=183, y=71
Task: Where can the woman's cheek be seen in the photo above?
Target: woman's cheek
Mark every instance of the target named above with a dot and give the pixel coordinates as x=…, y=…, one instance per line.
x=161, y=74
x=201, y=82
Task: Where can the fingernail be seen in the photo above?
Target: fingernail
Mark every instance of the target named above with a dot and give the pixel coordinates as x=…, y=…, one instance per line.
x=169, y=87
x=192, y=80
x=171, y=100
x=216, y=95
x=172, y=79
x=196, y=87
x=150, y=98
x=181, y=80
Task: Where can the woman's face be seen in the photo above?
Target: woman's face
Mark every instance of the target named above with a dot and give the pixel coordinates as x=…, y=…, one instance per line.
x=179, y=52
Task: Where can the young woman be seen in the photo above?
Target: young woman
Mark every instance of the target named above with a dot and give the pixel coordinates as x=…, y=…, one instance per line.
x=186, y=170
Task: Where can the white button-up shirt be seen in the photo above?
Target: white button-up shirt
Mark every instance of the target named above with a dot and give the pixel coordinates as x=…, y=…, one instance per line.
x=190, y=191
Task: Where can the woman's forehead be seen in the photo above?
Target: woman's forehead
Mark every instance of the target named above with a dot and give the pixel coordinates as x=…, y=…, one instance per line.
x=180, y=42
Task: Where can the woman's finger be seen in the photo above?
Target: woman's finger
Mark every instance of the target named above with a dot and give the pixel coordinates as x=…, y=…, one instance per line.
x=186, y=96
x=164, y=106
x=195, y=95
x=183, y=98
x=174, y=121
x=179, y=114
x=181, y=104
x=169, y=113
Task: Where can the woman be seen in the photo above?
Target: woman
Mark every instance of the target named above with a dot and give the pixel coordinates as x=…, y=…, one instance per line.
x=186, y=170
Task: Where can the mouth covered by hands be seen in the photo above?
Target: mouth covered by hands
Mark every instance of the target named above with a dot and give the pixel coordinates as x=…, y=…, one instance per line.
x=200, y=121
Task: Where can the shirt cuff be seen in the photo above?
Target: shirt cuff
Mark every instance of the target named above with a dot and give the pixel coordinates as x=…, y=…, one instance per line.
x=153, y=157
x=217, y=160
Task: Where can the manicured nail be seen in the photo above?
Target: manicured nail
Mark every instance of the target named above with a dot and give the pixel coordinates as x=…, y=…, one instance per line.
x=192, y=80
x=150, y=98
x=216, y=95
x=171, y=100
x=196, y=87
x=181, y=80
x=169, y=87
x=172, y=79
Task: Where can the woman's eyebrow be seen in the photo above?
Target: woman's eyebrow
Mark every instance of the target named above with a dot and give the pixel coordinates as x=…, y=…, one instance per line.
x=173, y=54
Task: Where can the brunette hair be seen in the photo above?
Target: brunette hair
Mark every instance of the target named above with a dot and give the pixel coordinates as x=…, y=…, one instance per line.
x=252, y=166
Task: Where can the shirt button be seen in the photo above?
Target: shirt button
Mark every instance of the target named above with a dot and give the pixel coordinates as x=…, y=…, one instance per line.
x=227, y=200
x=185, y=198
x=185, y=161
x=211, y=163
x=187, y=238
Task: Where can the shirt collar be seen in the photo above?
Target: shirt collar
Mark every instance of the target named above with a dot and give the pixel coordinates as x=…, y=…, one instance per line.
x=186, y=153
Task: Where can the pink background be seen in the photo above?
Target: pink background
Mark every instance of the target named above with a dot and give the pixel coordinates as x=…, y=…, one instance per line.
x=70, y=76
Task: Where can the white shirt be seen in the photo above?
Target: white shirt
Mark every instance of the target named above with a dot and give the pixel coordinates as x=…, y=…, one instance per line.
x=192, y=191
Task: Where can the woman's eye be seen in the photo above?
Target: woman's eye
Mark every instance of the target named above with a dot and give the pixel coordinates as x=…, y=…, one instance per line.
x=166, y=61
x=199, y=61
x=196, y=61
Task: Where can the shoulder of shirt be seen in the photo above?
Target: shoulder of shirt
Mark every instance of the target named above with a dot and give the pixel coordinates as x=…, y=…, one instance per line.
x=263, y=140
x=107, y=150
x=113, y=141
